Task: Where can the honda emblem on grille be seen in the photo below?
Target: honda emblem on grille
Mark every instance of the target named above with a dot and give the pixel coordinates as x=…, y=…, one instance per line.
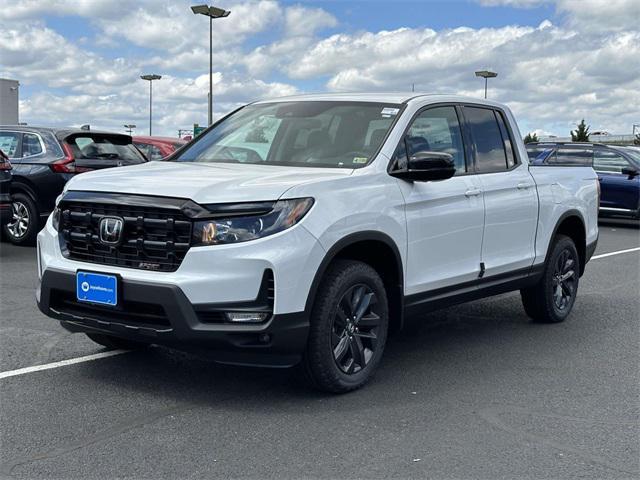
x=111, y=230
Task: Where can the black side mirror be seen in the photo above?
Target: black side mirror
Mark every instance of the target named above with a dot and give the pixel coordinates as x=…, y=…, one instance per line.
x=630, y=172
x=426, y=166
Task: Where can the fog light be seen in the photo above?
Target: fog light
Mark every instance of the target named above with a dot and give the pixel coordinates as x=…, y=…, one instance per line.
x=247, y=317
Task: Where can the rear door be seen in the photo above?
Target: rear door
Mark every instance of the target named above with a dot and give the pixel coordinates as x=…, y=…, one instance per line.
x=10, y=144
x=510, y=199
x=618, y=191
x=99, y=150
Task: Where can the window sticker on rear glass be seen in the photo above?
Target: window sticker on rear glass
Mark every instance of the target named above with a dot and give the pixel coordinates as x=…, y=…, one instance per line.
x=389, y=112
x=360, y=159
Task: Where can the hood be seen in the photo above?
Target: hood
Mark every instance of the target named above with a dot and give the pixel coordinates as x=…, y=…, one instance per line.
x=203, y=182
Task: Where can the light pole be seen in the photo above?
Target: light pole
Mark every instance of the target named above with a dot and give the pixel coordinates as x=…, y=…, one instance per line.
x=486, y=74
x=130, y=128
x=211, y=12
x=150, y=79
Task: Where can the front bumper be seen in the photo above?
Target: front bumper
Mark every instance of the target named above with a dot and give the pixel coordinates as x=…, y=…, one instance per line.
x=162, y=314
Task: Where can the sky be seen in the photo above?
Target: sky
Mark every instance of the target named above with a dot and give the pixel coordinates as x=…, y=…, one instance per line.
x=558, y=61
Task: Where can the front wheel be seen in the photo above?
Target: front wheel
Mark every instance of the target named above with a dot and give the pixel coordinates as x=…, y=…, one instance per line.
x=348, y=330
x=553, y=297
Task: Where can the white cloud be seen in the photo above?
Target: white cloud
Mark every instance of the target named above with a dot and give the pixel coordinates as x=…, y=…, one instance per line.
x=580, y=63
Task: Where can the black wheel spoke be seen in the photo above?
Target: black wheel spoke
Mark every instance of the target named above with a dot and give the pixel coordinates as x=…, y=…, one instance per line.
x=369, y=321
x=341, y=348
x=365, y=301
x=356, y=298
x=354, y=335
x=357, y=351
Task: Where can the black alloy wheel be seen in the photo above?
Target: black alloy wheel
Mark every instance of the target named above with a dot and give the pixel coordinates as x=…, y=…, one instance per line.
x=564, y=280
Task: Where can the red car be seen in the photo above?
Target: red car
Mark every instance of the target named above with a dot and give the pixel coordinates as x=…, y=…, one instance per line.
x=157, y=148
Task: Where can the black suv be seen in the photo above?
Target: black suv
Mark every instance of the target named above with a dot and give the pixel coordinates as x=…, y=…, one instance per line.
x=44, y=159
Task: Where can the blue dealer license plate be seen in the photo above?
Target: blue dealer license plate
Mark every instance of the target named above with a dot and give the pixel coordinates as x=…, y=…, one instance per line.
x=97, y=288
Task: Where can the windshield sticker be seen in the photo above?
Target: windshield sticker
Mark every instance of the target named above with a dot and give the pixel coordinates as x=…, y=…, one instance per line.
x=389, y=112
x=360, y=159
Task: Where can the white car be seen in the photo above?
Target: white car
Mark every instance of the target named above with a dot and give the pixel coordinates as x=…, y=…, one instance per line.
x=301, y=231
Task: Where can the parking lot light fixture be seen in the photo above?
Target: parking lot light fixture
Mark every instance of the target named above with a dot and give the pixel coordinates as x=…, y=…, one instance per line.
x=130, y=128
x=211, y=12
x=486, y=74
x=150, y=79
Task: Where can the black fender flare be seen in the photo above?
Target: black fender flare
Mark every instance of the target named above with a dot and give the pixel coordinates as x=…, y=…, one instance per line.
x=568, y=214
x=336, y=248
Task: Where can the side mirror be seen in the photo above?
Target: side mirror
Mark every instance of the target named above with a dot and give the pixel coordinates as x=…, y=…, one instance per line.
x=630, y=172
x=427, y=166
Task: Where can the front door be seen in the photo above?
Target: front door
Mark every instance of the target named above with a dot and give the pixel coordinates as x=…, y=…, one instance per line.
x=445, y=218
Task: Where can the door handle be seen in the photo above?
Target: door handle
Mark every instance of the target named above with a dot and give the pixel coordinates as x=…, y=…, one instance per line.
x=523, y=186
x=473, y=193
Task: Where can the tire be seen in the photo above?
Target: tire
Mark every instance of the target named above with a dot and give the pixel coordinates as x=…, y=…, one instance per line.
x=348, y=328
x=24, y=224
x=553, y=297
x=116, y=342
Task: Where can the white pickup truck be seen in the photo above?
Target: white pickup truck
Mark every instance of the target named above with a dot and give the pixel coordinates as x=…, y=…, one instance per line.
x=301, y=231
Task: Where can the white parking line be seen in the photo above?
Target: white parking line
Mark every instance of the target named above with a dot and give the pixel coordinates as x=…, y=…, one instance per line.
x=615, y=253
x=62, y=363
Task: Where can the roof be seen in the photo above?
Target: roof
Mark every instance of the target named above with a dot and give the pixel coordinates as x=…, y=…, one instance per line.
x=378, y=97
x=55, y=130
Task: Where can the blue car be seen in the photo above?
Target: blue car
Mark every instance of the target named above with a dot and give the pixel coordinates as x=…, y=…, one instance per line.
x=618, y=170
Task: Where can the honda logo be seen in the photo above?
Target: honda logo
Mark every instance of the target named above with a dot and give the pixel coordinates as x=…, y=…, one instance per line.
x=111, y=230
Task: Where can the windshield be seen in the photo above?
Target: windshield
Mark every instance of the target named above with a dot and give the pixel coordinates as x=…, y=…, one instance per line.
x=312, y=134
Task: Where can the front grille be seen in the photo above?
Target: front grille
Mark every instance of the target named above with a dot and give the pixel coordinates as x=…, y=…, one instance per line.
x=152, y=238
x=131, y=313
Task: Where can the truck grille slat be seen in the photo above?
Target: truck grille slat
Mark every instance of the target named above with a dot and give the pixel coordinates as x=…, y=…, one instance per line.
x=152, y=238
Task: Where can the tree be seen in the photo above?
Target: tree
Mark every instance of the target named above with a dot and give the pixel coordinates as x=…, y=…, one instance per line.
x=531, y=138
x=636, y=141
x=581, y=134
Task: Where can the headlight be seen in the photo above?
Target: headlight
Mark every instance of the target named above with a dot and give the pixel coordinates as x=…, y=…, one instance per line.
x=285, y=214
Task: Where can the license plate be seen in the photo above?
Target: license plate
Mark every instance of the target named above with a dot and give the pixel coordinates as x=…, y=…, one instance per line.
x=97, y=288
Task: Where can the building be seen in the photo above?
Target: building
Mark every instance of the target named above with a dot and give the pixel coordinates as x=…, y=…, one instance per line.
x=9, y=92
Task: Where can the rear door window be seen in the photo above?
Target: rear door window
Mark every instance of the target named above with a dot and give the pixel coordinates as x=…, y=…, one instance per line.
x=609, y=162
x=9, y=142
x=571, y=157
x=491, y=155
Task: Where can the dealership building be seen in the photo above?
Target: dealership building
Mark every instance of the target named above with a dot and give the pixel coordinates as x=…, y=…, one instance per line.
x=9, y=90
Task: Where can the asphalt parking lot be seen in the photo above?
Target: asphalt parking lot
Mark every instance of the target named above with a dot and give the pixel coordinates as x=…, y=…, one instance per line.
x=475, y=391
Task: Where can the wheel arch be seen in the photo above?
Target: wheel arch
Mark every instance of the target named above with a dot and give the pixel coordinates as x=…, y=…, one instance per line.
x=571, y=223
x=20, y=184
x=380, y=252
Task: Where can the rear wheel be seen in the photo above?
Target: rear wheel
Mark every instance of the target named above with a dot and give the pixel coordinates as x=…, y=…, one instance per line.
x=24, y=222
x=116, y=342
x=553, y=297
x=348, y=330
